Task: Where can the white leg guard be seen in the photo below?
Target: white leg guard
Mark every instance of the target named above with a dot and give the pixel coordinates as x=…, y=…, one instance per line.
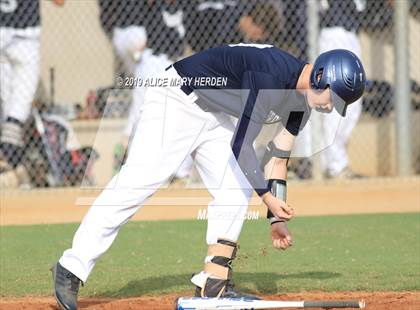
x=217, y=272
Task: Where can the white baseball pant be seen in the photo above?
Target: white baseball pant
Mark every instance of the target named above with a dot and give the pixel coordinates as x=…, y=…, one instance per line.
x=19, y=70
x=148, y=67
x=170, y=128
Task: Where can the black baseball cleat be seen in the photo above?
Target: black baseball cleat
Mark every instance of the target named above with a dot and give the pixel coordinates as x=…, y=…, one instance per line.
x=230, y=292
x=213, y=290
x=66, y=287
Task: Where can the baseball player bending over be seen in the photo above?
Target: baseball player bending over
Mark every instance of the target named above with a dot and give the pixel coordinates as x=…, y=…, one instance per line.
x=190, y=118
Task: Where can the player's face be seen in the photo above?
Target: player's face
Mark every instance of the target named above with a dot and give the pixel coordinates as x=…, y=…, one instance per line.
x=320, y=100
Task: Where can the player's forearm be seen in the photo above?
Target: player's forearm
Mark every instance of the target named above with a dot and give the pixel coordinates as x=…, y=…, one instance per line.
x=276, y=169
x=276, y=173
x=279, y=153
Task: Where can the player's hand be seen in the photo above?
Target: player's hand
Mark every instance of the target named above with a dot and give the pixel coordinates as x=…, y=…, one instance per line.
x=278, y=207
x=280, y=236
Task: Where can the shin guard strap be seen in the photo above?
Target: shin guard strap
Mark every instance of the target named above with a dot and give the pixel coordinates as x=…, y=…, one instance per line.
x=216, y=270
x=220, y=250
x=213, y=288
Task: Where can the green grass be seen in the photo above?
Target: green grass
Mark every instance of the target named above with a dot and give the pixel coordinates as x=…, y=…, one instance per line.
x=364, y=252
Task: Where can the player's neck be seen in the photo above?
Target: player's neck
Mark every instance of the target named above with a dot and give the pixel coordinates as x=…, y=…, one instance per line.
x=303, y=82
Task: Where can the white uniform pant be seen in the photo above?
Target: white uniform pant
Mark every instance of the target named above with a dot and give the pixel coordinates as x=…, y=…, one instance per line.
x=171, y=127
x=334, y=159
x=148, y=67
x=19, y=70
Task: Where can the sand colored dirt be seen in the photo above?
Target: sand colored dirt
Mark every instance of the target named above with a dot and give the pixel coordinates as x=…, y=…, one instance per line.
x=374, y=301
x=308, y=198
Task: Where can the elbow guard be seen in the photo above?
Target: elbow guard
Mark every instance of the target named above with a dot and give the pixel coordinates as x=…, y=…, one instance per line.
x=272, y=151
x=278, y=188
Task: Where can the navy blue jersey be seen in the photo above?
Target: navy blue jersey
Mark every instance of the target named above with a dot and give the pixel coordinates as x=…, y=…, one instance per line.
x=262, y=66
x=247, y=69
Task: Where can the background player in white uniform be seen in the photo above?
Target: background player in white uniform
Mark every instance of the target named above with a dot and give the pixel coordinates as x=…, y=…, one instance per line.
x=20, y=31
x=340, y=31
x=145, y=44
x=340, y=21
x=177, y=121
x=139, y=61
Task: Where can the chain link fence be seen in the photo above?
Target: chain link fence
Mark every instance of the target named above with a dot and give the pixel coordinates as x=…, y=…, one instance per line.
x=71, y=68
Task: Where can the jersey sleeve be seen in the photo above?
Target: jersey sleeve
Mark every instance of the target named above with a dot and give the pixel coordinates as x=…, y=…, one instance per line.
x=246, y=132
x=298, y=113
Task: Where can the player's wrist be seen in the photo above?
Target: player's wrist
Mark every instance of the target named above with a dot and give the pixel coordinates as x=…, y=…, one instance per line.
x=278, y=189
x=275, y=220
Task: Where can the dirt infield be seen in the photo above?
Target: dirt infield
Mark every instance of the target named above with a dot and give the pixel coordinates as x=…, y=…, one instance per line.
x=308, y=198
x=374, y=301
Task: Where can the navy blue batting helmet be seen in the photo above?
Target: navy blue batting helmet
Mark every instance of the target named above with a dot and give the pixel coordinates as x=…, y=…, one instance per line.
x=343, y=72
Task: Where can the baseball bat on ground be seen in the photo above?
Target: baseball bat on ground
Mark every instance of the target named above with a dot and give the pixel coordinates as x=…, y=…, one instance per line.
x=197, y=303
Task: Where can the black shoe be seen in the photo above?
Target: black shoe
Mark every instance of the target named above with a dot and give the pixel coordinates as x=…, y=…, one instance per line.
x=229, y=291
x=66, y=287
